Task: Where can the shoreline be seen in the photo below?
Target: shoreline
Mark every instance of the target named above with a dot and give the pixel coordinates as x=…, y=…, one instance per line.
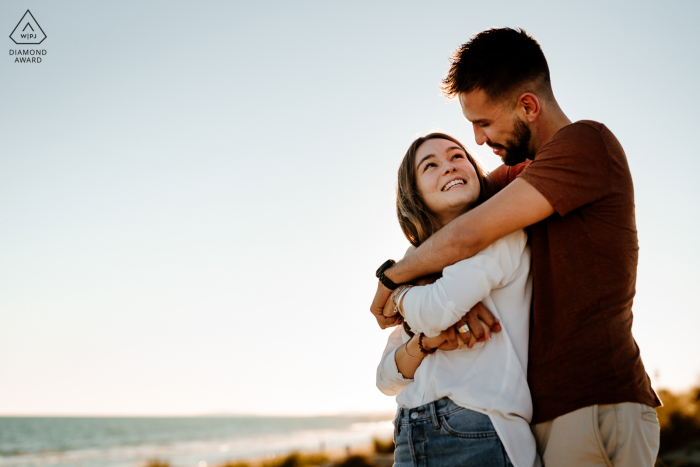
x=185, y=442
x=324, y=457
x=321, y=457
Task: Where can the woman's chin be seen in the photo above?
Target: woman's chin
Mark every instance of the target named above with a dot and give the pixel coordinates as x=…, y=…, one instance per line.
x=462, y=204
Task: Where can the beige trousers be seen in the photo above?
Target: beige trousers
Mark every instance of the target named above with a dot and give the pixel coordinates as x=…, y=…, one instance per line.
x=614, y=435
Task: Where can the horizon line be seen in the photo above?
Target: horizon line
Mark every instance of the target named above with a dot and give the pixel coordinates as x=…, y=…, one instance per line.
x=203, y=415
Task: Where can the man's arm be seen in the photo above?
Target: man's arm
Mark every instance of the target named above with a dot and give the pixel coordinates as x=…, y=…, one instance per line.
x=515, y=207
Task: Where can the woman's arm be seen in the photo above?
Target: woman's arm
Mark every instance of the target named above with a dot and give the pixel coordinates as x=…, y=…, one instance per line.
x=401, y=360
x=389, y=379
x=433, y=308
x=408, y=357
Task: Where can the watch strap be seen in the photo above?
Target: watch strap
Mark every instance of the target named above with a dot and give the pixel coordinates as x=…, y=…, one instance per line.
x=388, y=283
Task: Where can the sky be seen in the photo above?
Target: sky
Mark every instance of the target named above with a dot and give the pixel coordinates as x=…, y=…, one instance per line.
x=194, y=196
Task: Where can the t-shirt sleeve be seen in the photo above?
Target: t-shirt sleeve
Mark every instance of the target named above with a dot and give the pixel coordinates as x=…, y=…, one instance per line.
x=572, y=169
x=503, y=174
x=500, y=176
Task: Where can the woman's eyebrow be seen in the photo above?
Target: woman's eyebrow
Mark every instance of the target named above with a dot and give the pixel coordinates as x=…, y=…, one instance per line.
x=433, y=155
x=425, y=158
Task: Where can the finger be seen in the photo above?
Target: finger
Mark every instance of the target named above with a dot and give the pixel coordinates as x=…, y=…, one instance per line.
x=377, y=315
x=497, y=326
x=380, y=297
x=475, y=325
x=385, y=322
x=487, y=331
x=446, y=346
x=391, y=321
x=472, y=341
x=484, y=314
x=460, y=342
x=462, y=331
x=389, y=309
x=380, y=322
x=451, y=336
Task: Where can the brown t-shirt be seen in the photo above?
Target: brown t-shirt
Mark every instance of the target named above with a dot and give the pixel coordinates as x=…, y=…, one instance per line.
x=503, y=175
x=584, y=260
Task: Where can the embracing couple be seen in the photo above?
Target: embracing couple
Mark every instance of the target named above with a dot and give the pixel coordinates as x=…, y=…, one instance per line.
x=515, y=299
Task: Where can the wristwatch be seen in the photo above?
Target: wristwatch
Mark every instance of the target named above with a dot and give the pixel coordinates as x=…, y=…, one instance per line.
x=388, y=283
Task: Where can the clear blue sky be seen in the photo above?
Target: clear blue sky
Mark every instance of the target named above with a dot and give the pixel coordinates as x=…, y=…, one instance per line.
x=194, y=195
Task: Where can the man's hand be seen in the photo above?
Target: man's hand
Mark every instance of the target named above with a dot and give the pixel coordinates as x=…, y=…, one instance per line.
x=388, y=308
x=380, y=300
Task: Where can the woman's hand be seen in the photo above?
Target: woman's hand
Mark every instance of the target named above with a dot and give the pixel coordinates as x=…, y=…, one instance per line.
x=470, y=337
x=453, y=339
x=442, y=341
x=434, y=342
x=481, y=323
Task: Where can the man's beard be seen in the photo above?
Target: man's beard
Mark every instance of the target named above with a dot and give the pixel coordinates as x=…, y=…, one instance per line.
x=517, y=147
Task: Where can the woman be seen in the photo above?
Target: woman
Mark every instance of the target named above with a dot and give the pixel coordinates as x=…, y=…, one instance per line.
x=462, y=406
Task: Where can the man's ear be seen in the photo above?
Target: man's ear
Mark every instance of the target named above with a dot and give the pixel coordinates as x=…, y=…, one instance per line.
x=529, y=106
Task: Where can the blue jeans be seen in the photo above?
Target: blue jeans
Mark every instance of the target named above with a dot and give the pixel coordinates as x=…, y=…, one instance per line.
x=443, y=434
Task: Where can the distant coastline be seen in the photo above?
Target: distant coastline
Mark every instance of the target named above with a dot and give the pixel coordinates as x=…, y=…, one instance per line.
x=181, y=441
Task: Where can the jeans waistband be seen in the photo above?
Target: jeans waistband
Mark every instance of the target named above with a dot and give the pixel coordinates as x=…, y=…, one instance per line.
x=442, y=406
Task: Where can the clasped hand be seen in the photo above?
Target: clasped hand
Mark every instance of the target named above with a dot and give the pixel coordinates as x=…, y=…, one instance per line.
x=480, y=320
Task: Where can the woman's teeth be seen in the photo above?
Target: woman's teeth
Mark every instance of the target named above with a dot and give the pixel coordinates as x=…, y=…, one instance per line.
x=453, y=183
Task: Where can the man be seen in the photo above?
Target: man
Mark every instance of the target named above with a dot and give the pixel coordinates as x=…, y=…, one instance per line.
x=593, y=401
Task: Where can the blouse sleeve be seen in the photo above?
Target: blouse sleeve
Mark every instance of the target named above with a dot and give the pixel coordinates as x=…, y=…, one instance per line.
x=389, y=379
x=431, y=309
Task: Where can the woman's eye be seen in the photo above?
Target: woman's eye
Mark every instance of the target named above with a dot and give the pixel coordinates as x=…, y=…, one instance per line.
x=430, y=164
x=458, y=156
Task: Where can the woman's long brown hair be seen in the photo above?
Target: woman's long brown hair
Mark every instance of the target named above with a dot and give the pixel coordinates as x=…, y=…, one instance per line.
x=416, y=220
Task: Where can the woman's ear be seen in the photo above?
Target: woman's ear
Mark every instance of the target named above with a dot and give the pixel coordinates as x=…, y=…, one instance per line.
x=529, y=106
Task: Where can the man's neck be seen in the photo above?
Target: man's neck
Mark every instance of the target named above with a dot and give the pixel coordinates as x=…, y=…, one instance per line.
x=551, y=120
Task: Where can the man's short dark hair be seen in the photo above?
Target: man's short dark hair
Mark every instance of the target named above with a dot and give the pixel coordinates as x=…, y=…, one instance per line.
x=500, y=62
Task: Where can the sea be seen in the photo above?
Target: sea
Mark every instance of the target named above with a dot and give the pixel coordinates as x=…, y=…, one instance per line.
x=181, y=441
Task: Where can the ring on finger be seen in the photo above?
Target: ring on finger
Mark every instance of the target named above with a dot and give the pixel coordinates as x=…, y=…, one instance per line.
x=463, y=328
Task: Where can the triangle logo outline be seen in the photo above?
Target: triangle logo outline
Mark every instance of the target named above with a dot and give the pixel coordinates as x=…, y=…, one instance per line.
x=36, y=37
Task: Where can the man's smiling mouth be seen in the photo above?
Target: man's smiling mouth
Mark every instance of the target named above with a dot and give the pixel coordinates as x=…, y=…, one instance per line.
x=459, y=181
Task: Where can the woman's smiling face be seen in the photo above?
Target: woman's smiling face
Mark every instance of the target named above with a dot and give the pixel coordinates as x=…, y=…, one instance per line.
x=446, y=179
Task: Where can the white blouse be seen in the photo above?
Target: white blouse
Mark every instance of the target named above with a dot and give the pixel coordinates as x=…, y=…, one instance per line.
x=491, y=378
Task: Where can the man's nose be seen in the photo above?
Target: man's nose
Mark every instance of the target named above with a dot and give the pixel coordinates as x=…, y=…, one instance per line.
x=480, y=135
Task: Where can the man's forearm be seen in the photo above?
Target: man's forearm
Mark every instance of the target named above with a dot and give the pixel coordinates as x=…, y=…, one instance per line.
x=515, y=207
x=449, y=245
